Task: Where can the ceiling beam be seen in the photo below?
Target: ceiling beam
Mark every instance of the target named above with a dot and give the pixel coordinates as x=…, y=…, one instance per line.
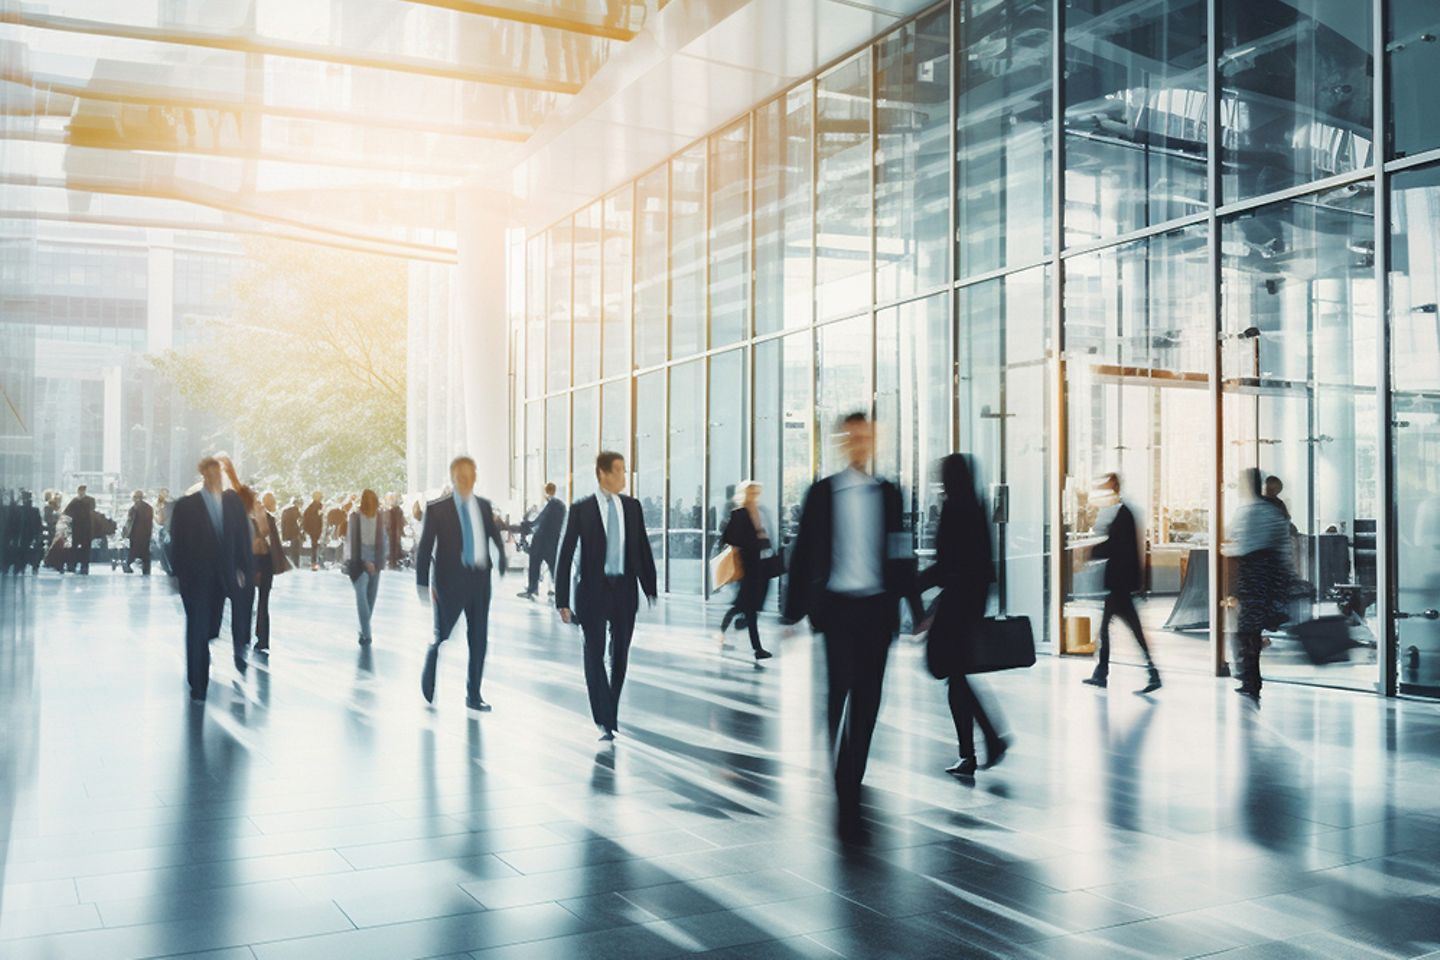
x=239, y=43
x=535, y=16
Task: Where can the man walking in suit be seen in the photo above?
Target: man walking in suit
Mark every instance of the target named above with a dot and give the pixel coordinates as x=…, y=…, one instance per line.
x=853, y=564
x=616, y=565
x=81, y=511
x=546, y=538
x=313, y=524
x=290, y=532
x=456, y=538
x=211, y=538
x=1121, y=552
x=139, y=527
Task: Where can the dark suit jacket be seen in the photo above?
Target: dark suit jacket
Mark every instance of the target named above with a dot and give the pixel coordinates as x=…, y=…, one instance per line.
x=440, y=542
x=740, y=533
x=141, y=523
x=290, y=522
x=1121, y=552
x=811, y=552
x=81, y=511
x=588, y=531
x=547, y=528
x=314, y=520
x=200, y=559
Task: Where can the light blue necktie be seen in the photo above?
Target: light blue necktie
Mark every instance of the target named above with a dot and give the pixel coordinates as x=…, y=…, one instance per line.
x=467, y=536
x=614, y=566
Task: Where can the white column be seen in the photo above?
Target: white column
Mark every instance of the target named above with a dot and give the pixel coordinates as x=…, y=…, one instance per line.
x=160, y=292
x=110, y=459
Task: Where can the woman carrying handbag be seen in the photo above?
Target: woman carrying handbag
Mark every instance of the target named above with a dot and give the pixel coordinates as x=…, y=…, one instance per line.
x=746, y=533
x=963, y=570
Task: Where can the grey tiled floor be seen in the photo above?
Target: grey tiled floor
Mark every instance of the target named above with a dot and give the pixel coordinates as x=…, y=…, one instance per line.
x=318, y=809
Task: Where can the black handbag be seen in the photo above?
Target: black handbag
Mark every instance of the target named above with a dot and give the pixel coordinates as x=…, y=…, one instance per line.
x=1325, y=639
x=998, y=643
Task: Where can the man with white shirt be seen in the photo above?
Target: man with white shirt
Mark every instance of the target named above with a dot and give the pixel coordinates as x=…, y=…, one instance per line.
x=457, y=534
x=852, y=564
x=616, y=565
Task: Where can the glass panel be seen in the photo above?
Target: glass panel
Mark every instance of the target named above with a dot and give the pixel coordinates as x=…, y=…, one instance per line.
x=1415, y=368
x=535, y=478
x=587, y=294
x=1135, y=116
x=687, y=252
x=842, y=382
x=783, y=163
x=1002, y=133
x=687, y=476
x=535, y=317
x=557, y=444
x=1298, y=311
x=783, y=427
x=729, y=424
x=557, y=326
x=615, y=417
x=842, y=189
x=913, y=371
x=1005, y=396
x=1412, y=56
x=730, y=235
x=650, y=266
x=585, y=417
x=1295, y=86
x=648, y=468
x=616, y=316
x=912, y=179
x=1137, y=336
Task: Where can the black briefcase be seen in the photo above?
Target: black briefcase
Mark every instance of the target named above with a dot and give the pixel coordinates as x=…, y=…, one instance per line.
x=1325, y=639
x=999, y=643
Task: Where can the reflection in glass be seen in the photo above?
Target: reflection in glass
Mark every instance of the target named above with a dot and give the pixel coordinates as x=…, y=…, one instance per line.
x=1298, y=313
x=615, y=417
x=557, y=323
x=557, y=444
x=842, y=187
x=1296, y=93
x=1137, y=336
x=535, y=316
x=1135, y=116
x=912, y=176
x=585, y=425
x=587, y=294
x=783, y=161
x=615, y=269
x=687, y=476
x=648, y=467
x=729, y=433
x=913, y=407
x=650, y=261
x=687, y=252
x=1412, y=55
x=1002, y=135
x=1005, y=395
x=783, y=427
x=842, y=383
x=730, y=234
x=1415, y=413
x=535, y=478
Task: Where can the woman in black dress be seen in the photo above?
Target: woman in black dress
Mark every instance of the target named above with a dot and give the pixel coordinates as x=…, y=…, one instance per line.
x=746, y=532
x=963, y=570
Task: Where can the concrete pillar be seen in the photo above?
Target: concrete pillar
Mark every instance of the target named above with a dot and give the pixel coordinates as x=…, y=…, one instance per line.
x=160, y=292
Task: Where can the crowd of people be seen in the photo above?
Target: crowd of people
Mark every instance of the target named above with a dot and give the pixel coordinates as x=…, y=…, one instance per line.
x=851, y=571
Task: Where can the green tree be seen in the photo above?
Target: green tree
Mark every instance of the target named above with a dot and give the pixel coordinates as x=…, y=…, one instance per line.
x=308, y=371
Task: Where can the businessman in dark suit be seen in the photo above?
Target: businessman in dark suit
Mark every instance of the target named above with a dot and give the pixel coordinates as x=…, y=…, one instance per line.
x=81, y=511
x=139, y=528
x=455, y=538
x=546, y=538
x=1121, y=552
x=852, y=565
x=616, y=566
x=210, y=535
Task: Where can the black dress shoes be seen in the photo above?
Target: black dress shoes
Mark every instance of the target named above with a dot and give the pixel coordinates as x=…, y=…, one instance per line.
x=1100, y=682
x=1153, y=685
x=240, y=665
x=475, y=703
x=763, y=654
x=964, y=767
x=427, y=676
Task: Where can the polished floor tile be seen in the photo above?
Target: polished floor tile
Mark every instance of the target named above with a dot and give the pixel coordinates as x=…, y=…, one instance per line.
x=316, y=807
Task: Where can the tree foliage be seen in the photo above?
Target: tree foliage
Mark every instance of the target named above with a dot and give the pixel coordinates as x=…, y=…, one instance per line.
x=308, y=372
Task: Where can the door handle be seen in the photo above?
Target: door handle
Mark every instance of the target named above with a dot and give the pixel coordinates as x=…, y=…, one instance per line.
x=1431, y=614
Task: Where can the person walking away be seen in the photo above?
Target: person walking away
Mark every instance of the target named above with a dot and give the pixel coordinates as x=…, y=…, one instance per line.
x=1123, y=578
x=616, y=566
x=81, y=511
x=313, y=522
x=139, y=527
x=393, y=516
x=368, y=539
x=545, y=541
x=1260, y=539
x=853, y=563
x=270, y=559
x=747, y=532
x=214, y=562
x=291, y=534
x=455, y=541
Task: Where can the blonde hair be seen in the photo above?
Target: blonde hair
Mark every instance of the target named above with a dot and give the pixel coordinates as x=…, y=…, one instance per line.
x=742, y=491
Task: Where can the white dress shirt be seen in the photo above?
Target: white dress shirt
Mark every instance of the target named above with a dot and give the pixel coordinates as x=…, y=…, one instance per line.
x=602, y=500
x=858, y=535
x=481, y=560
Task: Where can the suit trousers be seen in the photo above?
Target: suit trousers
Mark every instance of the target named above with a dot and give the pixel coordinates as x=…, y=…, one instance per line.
x=204, y=608
x=538, y=557
x=472, y=598
x=620, y=624
x=141, y=552
x=1119, y=603
x=967, y=712
x=295, y=552
x=264, y=579
x=857, y=645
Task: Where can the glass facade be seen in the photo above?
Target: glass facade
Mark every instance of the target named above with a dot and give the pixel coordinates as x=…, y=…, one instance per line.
x=1157, y=241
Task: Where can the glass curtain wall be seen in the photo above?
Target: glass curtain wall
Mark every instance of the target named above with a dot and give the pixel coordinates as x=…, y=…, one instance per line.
x=1208, y=291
